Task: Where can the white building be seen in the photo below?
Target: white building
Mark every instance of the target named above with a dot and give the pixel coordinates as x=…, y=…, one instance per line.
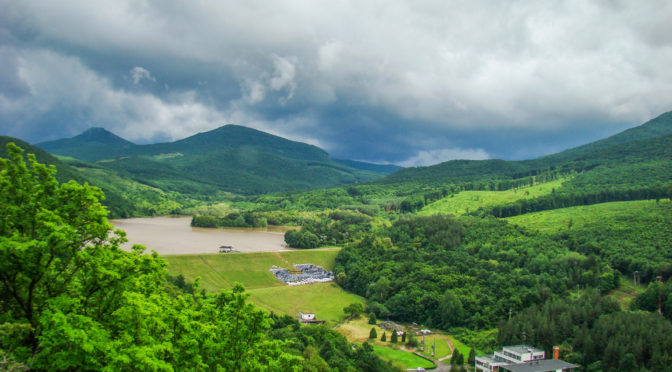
x=521, y=358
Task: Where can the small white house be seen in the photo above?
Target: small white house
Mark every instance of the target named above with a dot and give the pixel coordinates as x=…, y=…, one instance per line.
x=307, y=316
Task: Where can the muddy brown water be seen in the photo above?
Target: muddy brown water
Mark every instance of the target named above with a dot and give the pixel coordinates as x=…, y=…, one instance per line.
x=174, y=235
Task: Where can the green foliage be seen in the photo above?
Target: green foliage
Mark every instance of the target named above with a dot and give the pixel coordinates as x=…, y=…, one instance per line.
x=472, y=357
x=354, y=310
x=591, y=329
x=394, y=339
x=233, y=219
x=412, y=341
x=457, y=358
x=372, y=318
x=656, y=294
x=373, y=334
x=631, y=236
x=462, y=272
x=383, y=338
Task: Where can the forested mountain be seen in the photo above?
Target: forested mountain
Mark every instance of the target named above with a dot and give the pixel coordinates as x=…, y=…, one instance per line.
x=382, y=168
x=231, y=158
x=64, y=172
x=649, y=141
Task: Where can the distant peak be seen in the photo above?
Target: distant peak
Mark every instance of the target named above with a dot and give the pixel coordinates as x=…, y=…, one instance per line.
x=100, y=134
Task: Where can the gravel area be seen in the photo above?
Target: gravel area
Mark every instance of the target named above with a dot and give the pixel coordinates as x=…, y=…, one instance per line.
x=309, y=274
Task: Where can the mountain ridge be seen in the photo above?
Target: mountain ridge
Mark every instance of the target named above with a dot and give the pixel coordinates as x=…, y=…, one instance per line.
x=235, y=158
x=580, y=157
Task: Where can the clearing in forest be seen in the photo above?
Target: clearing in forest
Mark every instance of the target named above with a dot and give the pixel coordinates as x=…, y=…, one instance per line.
x=469, y=201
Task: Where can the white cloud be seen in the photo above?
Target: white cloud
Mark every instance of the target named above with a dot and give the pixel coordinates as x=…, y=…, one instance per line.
x=479, y=66
x=138, y=74
x=431, y=157
x=283, y=76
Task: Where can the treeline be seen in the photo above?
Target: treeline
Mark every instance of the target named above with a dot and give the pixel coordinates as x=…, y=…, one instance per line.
x=446, y=272
x=333, y=228
x=594, y=333
x=563, y=200
x=235, y=219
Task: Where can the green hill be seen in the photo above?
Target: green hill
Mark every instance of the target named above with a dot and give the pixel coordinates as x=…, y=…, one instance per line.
x=64, y=172
x=647, y=145
x=231, y=158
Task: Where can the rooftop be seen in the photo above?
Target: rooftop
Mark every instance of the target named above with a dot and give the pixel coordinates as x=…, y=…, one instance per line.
x=546, y=365
x=521, y=349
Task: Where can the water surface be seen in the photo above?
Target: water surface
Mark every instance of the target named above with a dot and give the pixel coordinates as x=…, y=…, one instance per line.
x=174, y=235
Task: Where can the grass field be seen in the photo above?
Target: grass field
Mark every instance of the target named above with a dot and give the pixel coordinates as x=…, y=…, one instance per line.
x=218, y=271
x=614, y=213
x=221, y=271
x=408, y=360
x=326, y=300
x=442, y=347
x=462, y=348
x=469, y=201
x=357, y=331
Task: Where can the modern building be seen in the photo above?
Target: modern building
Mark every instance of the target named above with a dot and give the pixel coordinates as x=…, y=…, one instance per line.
x=522, y=358
x=546, y=365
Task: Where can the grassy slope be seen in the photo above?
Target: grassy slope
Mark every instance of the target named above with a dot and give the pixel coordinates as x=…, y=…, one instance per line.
x=469, y=201
x=609, y=214
x=442, y=347
x=326, y=300
x=408, y=360
x=220, y=271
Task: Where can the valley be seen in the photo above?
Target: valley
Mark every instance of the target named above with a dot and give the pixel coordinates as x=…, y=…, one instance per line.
x=469, y=249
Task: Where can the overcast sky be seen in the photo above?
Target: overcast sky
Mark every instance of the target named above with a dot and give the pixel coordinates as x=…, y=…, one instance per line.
x=407, y=82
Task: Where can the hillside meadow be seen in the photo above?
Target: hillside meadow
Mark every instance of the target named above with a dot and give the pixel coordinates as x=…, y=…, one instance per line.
x=222, y=271
x=469, y=201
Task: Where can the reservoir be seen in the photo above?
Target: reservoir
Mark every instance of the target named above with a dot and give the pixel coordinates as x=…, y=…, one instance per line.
x=174, y=235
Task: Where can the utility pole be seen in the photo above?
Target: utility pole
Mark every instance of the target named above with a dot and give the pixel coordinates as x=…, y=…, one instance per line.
x=636, y=278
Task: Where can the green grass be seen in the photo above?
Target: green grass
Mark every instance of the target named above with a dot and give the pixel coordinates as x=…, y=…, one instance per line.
x=469, y=201
x=218, y=271
x=442, y=347
x=626, y=292
x=462, y=348
x=326, y=300
x=614, y=213
x=408, y=360
x=221, y=271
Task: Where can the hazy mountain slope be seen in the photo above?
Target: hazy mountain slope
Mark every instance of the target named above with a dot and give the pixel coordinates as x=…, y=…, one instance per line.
x=236, y=136
x=380, y=168
x=639, y=144
x=92, y=145
x=659, y=126
x=230, y=158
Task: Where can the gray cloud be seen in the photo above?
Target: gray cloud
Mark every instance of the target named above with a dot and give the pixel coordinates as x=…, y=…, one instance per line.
x=406, y=82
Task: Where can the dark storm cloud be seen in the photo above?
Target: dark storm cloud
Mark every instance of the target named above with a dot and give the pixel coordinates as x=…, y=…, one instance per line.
x=406, y=82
